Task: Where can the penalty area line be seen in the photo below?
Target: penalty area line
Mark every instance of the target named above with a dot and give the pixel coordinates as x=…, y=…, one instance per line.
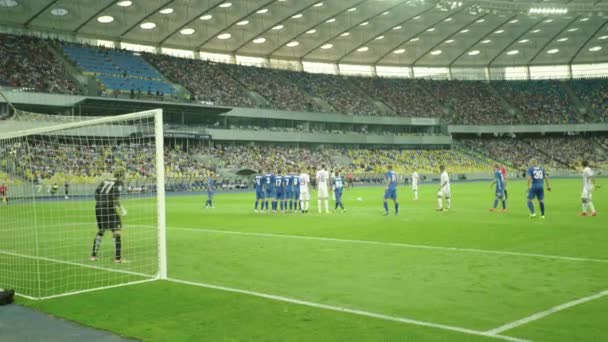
x=543, y=314
x=357, y=312
x=393, y=244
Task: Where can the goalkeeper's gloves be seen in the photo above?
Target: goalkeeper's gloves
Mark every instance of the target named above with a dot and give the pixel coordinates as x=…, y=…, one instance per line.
x=121, y=211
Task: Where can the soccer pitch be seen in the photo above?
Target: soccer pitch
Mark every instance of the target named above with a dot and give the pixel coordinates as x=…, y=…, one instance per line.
x=467, y=274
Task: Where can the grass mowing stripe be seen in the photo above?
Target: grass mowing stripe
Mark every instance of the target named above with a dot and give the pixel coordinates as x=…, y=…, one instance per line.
x=550, y=311
x=350, y=311
x=393, y=244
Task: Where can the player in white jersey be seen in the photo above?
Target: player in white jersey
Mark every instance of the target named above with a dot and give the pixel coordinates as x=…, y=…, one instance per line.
x=588, y=184
x=323, y=188
x=415, y=184
x=444, y=190
x=304, y=179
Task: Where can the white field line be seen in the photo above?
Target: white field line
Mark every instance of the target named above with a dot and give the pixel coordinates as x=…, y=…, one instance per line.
x=349, y=311
x=148, y=276
x=392, y=244
x=543, y=314
x=99, y=288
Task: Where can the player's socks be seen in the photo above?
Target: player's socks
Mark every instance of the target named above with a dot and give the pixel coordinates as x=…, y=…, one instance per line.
x=319, y=205
x=386, y=207
x=591, y=207
x=396, y=208
x=97, y=243
x=118, y=244
x=449, y=203
x=326, y=205
x=542, y=208
x=495, y=203
x=584, y=208
x=504, y=204
x=415, y=195
x=531, y=207
x=439, y=203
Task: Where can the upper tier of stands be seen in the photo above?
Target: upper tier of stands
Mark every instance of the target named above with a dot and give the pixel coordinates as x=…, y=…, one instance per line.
x=27, y=62
x=117, y=69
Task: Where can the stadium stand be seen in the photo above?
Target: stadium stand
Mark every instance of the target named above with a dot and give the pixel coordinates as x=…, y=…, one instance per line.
x=205, y=80
x=27, y=63
x=540, y=102
x=404, y=97
x=554, y=152
x=118, y=69
x=593, y=93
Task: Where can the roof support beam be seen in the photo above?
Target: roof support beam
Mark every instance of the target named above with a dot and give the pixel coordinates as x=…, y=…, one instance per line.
x=95, y=15
x=32, y=18
x=578, y=51
x=339, y=60
x=165, y=4
x=479, y=40
x=410, y=37
x=279, y=22
x=447, y=38
x=550, y=40
x=162, y=41
x=314, y=26
x=237, y=20
x=347, y=30
x=489, y=65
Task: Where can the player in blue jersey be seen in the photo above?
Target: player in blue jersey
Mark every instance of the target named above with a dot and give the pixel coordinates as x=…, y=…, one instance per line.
x=295, y=181
x=258, y=183
x=279, y=192
x=288, y=190
x=269, y=188
x=210, y=185
x=337, y=184
x=537, y=179
x=500, y=192
x=390, y=192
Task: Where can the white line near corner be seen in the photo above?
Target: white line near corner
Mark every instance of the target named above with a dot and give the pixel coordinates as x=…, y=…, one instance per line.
x=543, y=314
x=350, y=311
x=392, y=244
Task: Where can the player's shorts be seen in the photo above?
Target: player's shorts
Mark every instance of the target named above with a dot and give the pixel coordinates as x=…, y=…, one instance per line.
x=500, y=193
x=210, y=194
x=279, y=195
x=288, y=195
x=323, y=192
x=259, y=195
x=107, y=218
x=270, y=193
x=445, y=192
x=414, y=187
x=538, y=193
x=304, y=196
x=586, y=195
x=390, y=194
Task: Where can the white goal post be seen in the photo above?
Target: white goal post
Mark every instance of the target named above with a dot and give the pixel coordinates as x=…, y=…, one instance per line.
x=53, y=240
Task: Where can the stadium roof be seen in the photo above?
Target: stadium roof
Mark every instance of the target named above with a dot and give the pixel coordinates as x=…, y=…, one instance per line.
x=371, y=32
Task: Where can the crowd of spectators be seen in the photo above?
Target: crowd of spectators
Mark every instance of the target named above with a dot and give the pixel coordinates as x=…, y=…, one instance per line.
x=593, y=93
x=27, y=62
x=472, y=102
x=405, y=97
x=274, y=86
x=204, y=80
x=551, y=152
x=540, y=102
x=336, y=91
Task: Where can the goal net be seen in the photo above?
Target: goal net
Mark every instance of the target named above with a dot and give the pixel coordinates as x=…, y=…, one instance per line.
x=63, y=178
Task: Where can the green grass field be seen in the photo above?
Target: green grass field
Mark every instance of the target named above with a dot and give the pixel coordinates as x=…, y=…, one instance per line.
x=419, y=276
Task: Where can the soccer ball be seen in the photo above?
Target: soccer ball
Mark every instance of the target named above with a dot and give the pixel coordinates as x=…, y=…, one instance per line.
x=360, y=199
